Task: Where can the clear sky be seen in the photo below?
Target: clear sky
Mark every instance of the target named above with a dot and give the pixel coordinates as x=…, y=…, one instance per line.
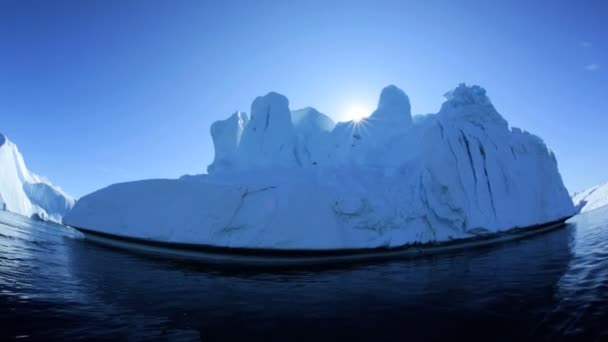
x=100, y=92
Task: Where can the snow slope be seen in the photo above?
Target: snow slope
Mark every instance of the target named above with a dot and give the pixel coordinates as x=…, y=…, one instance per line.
x=591, y=198
x=297, y=180
x=25, y=193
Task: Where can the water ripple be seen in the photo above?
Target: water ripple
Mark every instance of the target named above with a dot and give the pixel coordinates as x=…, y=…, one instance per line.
x=55, y=285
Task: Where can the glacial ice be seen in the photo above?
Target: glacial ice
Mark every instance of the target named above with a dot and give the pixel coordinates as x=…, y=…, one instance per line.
x=296, y=180
x=26, y=193
x=592, y=198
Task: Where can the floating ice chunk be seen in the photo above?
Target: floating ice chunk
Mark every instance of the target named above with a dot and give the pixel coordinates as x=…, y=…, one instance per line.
x=592, y=198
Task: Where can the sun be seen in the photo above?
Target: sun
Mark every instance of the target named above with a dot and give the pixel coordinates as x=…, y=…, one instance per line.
x=357, y=113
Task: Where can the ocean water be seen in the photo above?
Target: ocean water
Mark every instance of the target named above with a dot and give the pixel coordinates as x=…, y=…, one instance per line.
x=54, y=285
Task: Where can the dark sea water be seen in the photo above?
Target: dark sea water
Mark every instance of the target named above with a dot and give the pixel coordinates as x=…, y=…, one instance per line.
x=56, y=286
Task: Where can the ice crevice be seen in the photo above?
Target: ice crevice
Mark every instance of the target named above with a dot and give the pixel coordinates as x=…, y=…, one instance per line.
x=485, y=171
x=468, y=147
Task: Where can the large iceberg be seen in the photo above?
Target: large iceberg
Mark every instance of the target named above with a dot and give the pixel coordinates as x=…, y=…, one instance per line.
x=26, y=193
x=296, y=180
x=592, y=198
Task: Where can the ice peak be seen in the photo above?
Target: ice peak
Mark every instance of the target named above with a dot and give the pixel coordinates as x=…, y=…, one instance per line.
x=299, y=114
x=237, y=118
x=271, y=99
x=240, y=118
x=310, y=119
x=226, y=135
x=306, y=110
x=268, y=137
x=393, y=104
x=467, y=95
x=471, y=104
x=271, y=109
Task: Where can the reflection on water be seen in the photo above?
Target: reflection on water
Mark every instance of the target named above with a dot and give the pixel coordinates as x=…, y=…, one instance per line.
x=53, y=284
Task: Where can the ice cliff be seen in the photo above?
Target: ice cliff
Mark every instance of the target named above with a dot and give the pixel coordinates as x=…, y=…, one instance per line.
x=26, y=193
x=283, y=179
x=592, y=198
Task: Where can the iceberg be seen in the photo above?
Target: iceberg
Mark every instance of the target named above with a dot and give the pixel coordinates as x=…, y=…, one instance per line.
x=592, y=198
x=25, y=193
x=285, y=179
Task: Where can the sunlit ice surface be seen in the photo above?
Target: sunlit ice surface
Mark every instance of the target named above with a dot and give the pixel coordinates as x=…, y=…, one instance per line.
x=357, y=113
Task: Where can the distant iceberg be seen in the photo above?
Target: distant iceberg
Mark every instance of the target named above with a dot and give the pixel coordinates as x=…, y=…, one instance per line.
x=592, y=198
x=26, y=193
x=297, y=180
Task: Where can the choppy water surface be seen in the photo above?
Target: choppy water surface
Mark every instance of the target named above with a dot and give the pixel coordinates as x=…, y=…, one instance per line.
x=55, y=285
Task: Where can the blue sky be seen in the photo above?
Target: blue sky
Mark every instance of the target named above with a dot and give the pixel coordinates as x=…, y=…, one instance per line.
x=100, y=92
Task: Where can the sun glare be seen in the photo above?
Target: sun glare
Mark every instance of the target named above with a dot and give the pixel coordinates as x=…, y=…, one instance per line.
x=357, y=113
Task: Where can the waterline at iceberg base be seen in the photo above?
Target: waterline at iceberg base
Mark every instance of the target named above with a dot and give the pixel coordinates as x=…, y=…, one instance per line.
x=295, y=180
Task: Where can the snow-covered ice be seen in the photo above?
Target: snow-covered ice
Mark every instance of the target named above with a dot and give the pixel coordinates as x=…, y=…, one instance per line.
x=283, y=179
x=592, y=198
x=26, y=193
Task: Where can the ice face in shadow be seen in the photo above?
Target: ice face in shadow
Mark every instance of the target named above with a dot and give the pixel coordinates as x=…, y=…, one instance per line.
x=393, y=106
x=312, y=129
x=268, y=139
x=296, y=180
x=226, y=136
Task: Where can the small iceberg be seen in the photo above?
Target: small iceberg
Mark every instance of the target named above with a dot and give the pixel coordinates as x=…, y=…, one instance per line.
x=25, y=193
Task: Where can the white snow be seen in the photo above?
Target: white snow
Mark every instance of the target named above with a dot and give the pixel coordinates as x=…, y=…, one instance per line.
x=295, y=180
x=26, y=193
x=592, y=198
